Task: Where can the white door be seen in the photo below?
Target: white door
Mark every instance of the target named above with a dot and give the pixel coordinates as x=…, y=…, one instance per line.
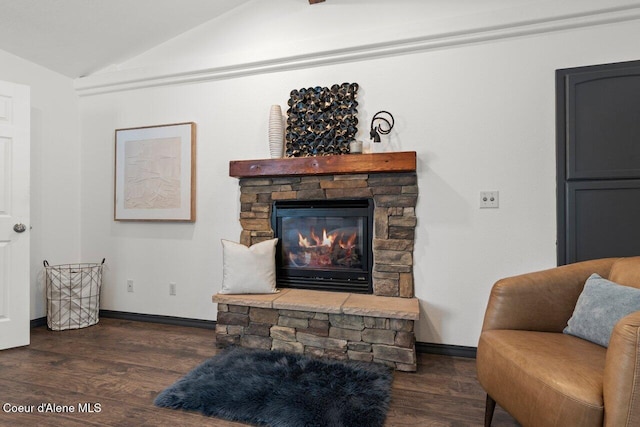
x=14, y=215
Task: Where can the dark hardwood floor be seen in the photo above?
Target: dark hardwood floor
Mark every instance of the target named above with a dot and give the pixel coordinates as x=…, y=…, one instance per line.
x=122, y=365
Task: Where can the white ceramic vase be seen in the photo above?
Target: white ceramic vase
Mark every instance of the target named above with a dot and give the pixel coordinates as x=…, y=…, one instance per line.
x=276, y=132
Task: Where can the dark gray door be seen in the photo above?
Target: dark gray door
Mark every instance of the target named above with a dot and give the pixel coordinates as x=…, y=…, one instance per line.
x=598, y=161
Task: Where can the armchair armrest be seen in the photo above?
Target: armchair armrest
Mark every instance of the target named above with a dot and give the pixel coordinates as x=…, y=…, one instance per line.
x=541, y=301
x=622, y=373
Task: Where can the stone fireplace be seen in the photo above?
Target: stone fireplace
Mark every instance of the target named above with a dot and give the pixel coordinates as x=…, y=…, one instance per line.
x=376, y=327
x=394, y=195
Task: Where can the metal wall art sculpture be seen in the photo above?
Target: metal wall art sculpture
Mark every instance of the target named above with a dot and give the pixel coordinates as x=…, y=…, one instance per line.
x=321, y=121
x=381, y=125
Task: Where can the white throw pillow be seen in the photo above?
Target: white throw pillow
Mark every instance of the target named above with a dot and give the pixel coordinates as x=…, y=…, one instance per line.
x=249, y=270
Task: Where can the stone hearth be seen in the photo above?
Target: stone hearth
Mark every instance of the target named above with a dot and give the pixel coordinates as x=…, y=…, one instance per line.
x=336, y=325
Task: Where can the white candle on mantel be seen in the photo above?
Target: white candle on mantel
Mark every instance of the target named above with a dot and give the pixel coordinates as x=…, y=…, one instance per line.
x=355, y=147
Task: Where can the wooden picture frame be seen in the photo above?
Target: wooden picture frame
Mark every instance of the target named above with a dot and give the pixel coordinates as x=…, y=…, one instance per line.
x=155, y=173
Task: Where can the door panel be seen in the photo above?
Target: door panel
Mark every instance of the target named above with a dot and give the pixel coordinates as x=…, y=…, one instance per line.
x=5, y=177
x=5, y=192
x=14, y=209
x=602, y=219
x=604, y=125
x=598, y=161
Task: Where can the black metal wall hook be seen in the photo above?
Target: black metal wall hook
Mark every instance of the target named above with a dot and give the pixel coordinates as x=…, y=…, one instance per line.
x=380, y=129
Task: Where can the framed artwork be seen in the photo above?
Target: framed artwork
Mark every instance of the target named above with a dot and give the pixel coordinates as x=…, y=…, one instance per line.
x=155, y=173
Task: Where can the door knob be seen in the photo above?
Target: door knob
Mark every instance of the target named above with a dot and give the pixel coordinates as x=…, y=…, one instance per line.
x=19, y=228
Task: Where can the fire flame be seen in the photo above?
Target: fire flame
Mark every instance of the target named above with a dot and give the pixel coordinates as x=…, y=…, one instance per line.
x=303, y=241
x=350, y=242
x=327, y=240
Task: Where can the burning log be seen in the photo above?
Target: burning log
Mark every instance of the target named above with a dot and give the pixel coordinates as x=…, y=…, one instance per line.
x=328, y=250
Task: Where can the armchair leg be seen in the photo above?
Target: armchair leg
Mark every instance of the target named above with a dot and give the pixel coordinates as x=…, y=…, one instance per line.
x=488, y=411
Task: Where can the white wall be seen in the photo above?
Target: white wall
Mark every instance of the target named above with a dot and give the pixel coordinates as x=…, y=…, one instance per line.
x=479, y=112
x=55, y=169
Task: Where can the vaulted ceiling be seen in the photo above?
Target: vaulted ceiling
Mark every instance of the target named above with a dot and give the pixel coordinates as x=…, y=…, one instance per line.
x=78, y=37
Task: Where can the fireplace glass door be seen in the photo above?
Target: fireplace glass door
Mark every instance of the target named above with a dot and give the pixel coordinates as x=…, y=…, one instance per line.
x=324, y=245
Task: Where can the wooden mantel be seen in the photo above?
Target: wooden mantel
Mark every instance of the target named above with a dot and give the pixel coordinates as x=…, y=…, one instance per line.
x=402, y=161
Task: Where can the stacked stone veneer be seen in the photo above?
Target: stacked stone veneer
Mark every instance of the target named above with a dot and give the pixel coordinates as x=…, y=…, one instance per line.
x=394, y=196
x=336, y=336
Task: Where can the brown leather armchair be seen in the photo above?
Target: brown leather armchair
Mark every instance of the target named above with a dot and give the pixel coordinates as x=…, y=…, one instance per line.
x=543, y=377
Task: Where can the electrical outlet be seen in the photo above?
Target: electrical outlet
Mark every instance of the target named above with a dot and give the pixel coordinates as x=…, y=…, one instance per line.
x=172, y=288
x=129, y=285
x=489, y=199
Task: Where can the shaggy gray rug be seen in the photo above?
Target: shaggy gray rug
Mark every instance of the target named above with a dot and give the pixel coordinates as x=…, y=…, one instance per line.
x=284, y=390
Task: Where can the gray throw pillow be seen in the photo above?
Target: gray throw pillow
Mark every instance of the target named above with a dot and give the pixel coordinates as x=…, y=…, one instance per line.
x=600, y=306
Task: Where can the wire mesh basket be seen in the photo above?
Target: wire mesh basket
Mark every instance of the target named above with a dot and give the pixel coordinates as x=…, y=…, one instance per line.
x=73, y=295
